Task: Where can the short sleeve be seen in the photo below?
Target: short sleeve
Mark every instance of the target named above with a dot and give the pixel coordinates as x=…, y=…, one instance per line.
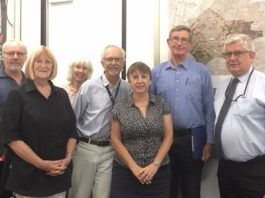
x=12, y=116
x=115, y=111
x=165, y=106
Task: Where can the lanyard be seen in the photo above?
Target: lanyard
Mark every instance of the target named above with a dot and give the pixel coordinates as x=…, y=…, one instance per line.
x=244, y=89
x=112, y=98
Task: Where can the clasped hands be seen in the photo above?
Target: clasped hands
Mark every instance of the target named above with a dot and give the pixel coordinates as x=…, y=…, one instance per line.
x=54, y=167
x=145, y=174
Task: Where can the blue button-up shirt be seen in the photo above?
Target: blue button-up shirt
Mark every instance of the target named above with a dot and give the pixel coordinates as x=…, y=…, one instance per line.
x=188, y=90
x=6, y=84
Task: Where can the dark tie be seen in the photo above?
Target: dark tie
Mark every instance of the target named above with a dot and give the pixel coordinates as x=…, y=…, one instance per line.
x=218, y=127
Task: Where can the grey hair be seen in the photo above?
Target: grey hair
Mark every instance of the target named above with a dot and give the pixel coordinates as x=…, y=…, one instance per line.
x=113, y=46
x=181, y=28
x=9, y=42
x=81, y=61
x=243, y=39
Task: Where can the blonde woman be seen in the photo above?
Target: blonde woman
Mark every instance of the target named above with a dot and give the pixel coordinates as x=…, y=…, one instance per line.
x=40, y=132
x=79, y=71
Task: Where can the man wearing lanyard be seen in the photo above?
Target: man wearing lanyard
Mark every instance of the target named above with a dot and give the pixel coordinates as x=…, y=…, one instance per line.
x=186, y=85
x=94, y=154
x=240, y=123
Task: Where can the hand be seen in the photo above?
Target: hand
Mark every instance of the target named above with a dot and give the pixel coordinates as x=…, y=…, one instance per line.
x=137, y=172
x=53, y=168
x=206, y=153
x=148, y=173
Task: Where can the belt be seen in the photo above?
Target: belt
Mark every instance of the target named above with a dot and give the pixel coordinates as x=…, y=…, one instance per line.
x=182, y=132
x=95, y=142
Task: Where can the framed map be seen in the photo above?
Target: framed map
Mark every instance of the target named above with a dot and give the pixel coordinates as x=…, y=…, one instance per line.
x=212, y=20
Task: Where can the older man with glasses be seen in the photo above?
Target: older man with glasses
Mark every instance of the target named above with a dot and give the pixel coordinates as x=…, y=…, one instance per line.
x=186, y=85
x=94, y=154
x=240, y=124
x=14, y=54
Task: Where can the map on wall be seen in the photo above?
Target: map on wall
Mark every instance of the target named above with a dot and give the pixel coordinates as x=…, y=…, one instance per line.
x=212, y=20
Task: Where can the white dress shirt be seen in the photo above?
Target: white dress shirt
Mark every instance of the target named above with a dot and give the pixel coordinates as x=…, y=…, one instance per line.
x=243, y=131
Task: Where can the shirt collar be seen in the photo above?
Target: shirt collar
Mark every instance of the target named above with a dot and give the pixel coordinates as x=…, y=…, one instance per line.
x=29, y=86
x=152, y=100
x=4, y=75
x=245, y=76
x=184, y=64
x=105, y=80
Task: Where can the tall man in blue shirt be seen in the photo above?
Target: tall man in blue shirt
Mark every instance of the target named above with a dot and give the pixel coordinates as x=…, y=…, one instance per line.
x=186, y=85
x=14, y=54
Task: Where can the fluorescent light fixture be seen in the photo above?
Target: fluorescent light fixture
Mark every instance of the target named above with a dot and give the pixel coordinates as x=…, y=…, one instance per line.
x=60, y=1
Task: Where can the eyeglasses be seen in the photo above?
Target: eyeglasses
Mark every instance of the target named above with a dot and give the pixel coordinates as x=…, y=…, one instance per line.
x=12, y=53
x=234, y=100
x=111, y=59
x=176, y=39
x=235, y=53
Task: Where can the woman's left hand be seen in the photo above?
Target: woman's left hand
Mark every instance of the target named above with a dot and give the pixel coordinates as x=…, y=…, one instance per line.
x=63, y=164
x=148, y=173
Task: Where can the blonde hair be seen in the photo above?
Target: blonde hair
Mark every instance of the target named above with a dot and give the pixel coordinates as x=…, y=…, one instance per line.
x=81, y=61
x=29, y=70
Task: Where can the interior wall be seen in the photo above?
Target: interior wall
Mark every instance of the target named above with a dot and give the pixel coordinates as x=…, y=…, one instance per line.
x=142, y=20
x=79, y=28
x=29, y=30
x=82, y=29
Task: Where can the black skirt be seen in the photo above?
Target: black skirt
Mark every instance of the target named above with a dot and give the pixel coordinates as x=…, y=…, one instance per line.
x=125, y=184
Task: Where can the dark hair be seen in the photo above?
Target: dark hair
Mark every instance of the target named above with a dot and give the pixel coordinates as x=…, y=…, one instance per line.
x=140, y=66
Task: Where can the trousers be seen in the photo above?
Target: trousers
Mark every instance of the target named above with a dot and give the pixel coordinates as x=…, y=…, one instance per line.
x=185, y=171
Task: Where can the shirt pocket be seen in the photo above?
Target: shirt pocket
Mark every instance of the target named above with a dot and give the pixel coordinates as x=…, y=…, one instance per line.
x=245, y=107
x=194, y=90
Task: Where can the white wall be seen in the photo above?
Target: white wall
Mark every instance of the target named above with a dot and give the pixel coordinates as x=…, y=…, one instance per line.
x=142, y=20
x=30, y=23
x=84, y=27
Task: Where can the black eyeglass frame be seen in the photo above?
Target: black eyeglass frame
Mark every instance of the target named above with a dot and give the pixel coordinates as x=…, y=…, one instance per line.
x=235, y=53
